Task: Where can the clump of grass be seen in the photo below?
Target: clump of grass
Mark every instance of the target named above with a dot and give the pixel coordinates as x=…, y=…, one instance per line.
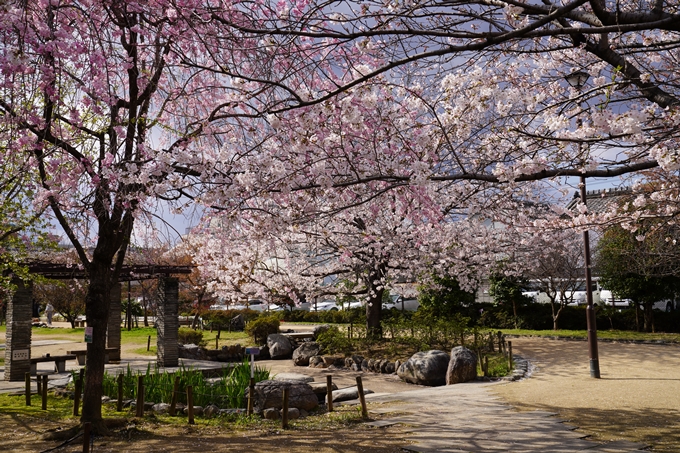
x=226, y=392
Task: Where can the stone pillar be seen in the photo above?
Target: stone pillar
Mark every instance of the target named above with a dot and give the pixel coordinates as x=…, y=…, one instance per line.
x=113, y=328
x=18, y=335
x=167, y=322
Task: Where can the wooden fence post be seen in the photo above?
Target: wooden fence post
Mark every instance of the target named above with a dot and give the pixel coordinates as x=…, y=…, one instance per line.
x=44, y=392
x=251, y=396
x=329, y=392
x=119, y=403
x=148, y=343
x=140, y=396
x=284, y=410
x=173, y=401
x=510, y=355
x=86, y=437
x=27, y=378
x=190, y=404
x=76, y=396
x=362, y=398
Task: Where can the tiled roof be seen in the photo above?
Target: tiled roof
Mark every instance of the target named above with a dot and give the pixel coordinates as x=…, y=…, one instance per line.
x=602, y=200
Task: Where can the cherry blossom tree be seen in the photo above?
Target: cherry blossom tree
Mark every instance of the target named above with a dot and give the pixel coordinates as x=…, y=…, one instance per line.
x=93, y=98
x=316, y=108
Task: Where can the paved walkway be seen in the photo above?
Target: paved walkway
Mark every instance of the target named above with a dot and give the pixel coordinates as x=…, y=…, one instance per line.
x=468, y=418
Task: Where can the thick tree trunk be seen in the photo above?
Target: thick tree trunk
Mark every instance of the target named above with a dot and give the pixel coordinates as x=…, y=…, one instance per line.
x=373, y=312
x=97, y=313
x=374, y=305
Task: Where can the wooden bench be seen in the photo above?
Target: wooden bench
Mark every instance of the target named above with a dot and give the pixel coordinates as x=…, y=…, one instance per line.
x=80, y=355
x=59, y=362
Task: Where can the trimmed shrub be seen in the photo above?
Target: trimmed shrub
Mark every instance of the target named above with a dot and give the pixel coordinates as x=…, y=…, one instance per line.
x=333, y=341
x=262, y=327
x=190, y=336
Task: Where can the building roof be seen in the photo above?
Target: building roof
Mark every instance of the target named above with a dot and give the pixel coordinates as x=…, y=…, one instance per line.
x=602, y=200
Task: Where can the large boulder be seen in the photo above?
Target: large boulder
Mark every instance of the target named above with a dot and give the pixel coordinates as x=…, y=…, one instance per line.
x=348, y=394
x=279, y=346
x=237, y=323
x=306, y=351
x=425, y=368
x=191, y=351
x=462, y=366
x=270, y=394
x=319, y=330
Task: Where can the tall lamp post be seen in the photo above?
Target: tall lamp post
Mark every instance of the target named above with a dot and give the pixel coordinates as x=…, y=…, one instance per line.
x=577, y=80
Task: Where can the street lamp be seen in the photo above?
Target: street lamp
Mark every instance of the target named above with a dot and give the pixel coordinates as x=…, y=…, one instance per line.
x=577, y=80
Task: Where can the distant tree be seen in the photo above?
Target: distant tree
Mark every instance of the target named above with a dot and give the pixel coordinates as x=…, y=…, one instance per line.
x=67, y=298
x=444, y=296
x=507, y=289
x=636, y=266
x=555, y=267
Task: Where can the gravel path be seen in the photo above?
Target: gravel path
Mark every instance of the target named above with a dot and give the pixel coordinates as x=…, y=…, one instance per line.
x=636, y=399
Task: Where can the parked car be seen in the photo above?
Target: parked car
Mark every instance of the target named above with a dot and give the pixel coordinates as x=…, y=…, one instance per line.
x=325, y=305
x=401, y=303
x=608, y=299
x=227, y=307
x=667, y=305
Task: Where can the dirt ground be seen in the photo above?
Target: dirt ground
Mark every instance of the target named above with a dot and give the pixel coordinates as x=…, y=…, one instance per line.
x=637, y=398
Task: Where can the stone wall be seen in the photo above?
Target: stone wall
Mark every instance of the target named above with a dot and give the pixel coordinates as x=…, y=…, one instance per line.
x=18, y=335
x=167, y=322
x=113, y=327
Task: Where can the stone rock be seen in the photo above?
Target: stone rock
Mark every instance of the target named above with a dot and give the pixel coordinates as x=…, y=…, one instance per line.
x=270, y=394
x=161, y=408
x=320, y=387
x=370, y=366
x=191, y=351
x=316, y=362
x=264, y=353
x=306, y=351
x=364, y=365
x=270, y=414
x=293, y=377
x=232, y=411
x=148, y=405
x=462, y=366
x=198, y=410
x=211, y=410
x=237, y=323
x=279, y=346
x=390, y=368
x=105, y=399
x=397, y=364
x=425, y=368
x=293, y=413
x=319, y=330
x=64, y=393
x=349, y=393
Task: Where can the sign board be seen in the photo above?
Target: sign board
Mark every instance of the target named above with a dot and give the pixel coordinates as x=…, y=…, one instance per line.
x=88, y=334
x=253, y=351
x=21, y=354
